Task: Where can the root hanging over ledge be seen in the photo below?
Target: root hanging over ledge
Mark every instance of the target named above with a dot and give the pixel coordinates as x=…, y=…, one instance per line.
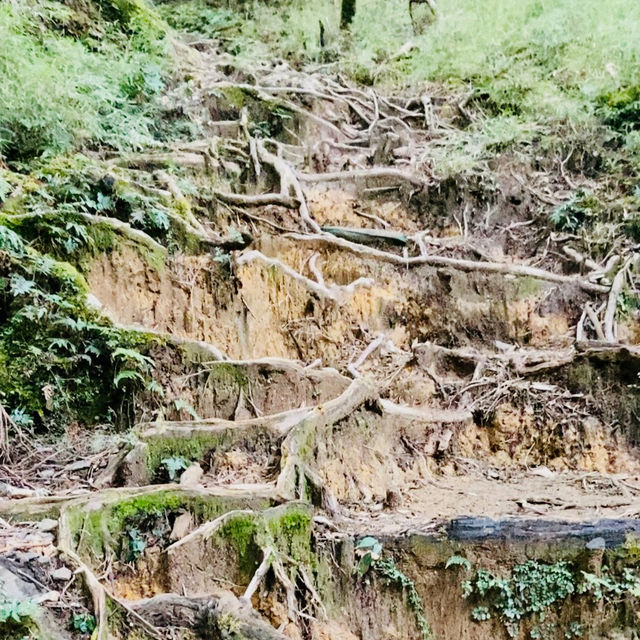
x=334, y=292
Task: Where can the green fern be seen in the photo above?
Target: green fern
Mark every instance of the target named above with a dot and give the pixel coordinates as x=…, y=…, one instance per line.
x=127, y=374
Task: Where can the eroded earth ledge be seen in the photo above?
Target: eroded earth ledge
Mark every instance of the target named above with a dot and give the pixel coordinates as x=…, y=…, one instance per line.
x=275, y=376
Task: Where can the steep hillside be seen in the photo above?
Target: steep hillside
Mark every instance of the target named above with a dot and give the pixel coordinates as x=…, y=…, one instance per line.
x=319, y=332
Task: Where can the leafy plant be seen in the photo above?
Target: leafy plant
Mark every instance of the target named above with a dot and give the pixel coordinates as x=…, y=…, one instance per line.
x=58, y=91
x=174, y=464
x=17, y=617
x=533, y=589
x=137, y=544
x=83, y=622
x=19, y=611
x=458, y=561
x=570, y=216
x=370, y=551
x=21, y=418
x=183, y=405
x=132, y=366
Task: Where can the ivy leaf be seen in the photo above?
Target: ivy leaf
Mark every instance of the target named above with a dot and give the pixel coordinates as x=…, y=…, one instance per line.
x=368, y=542
x=174, y=464
x=364, y=565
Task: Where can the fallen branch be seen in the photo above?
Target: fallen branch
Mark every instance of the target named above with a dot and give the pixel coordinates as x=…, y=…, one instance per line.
x=581, y=259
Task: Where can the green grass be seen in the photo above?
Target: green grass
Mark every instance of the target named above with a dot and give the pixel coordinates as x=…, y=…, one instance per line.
x=538, y=70
x=77, y=77
x=544, y=56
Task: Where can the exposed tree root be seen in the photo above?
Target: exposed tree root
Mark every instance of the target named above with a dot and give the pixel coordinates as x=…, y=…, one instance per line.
x=139, y=237
x=206, y=530
x=217, y=614
x=288, y=182
x=526, y=362
x=454, y=263
x=294, y=465
x=258, y=200
x=614, y=294
x=377, y=173
x=333, y=292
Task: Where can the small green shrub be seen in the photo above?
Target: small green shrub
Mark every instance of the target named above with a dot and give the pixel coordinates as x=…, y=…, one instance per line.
x=198, y=16
x=17, y=617
x=620, y=109
x=58, y=92
x=571, y=216
x=173, y=465
x=83, y=622
x=370, y=550
x=535, y=589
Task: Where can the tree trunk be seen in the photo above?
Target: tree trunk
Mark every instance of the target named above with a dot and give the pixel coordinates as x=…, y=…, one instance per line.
x=347, y=13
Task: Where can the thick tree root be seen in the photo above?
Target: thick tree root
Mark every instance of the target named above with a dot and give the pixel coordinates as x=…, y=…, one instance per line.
x=454, y=263
x=219, y=614
x=337, y=293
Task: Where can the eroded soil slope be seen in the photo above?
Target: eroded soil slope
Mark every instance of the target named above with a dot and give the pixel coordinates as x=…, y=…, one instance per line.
x=353, y=384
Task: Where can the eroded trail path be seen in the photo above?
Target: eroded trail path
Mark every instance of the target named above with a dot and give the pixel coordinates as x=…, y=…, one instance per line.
x=354, y=348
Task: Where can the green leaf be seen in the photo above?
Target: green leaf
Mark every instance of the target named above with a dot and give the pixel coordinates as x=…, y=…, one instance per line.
x=364, y=564
x=174, y=464
x=458, y=561
x=368, y=542
x=131, y=355
x=183, y=405
x=127, y=374
x=20, y=286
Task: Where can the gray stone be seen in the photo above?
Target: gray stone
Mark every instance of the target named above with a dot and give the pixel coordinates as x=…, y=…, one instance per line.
x=192, y=475
x=182, y=526
x=62, y=574
x=597, y=543
x=48, y=524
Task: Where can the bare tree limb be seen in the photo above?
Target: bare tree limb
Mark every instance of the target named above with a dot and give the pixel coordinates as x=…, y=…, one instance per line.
x=288, y=181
